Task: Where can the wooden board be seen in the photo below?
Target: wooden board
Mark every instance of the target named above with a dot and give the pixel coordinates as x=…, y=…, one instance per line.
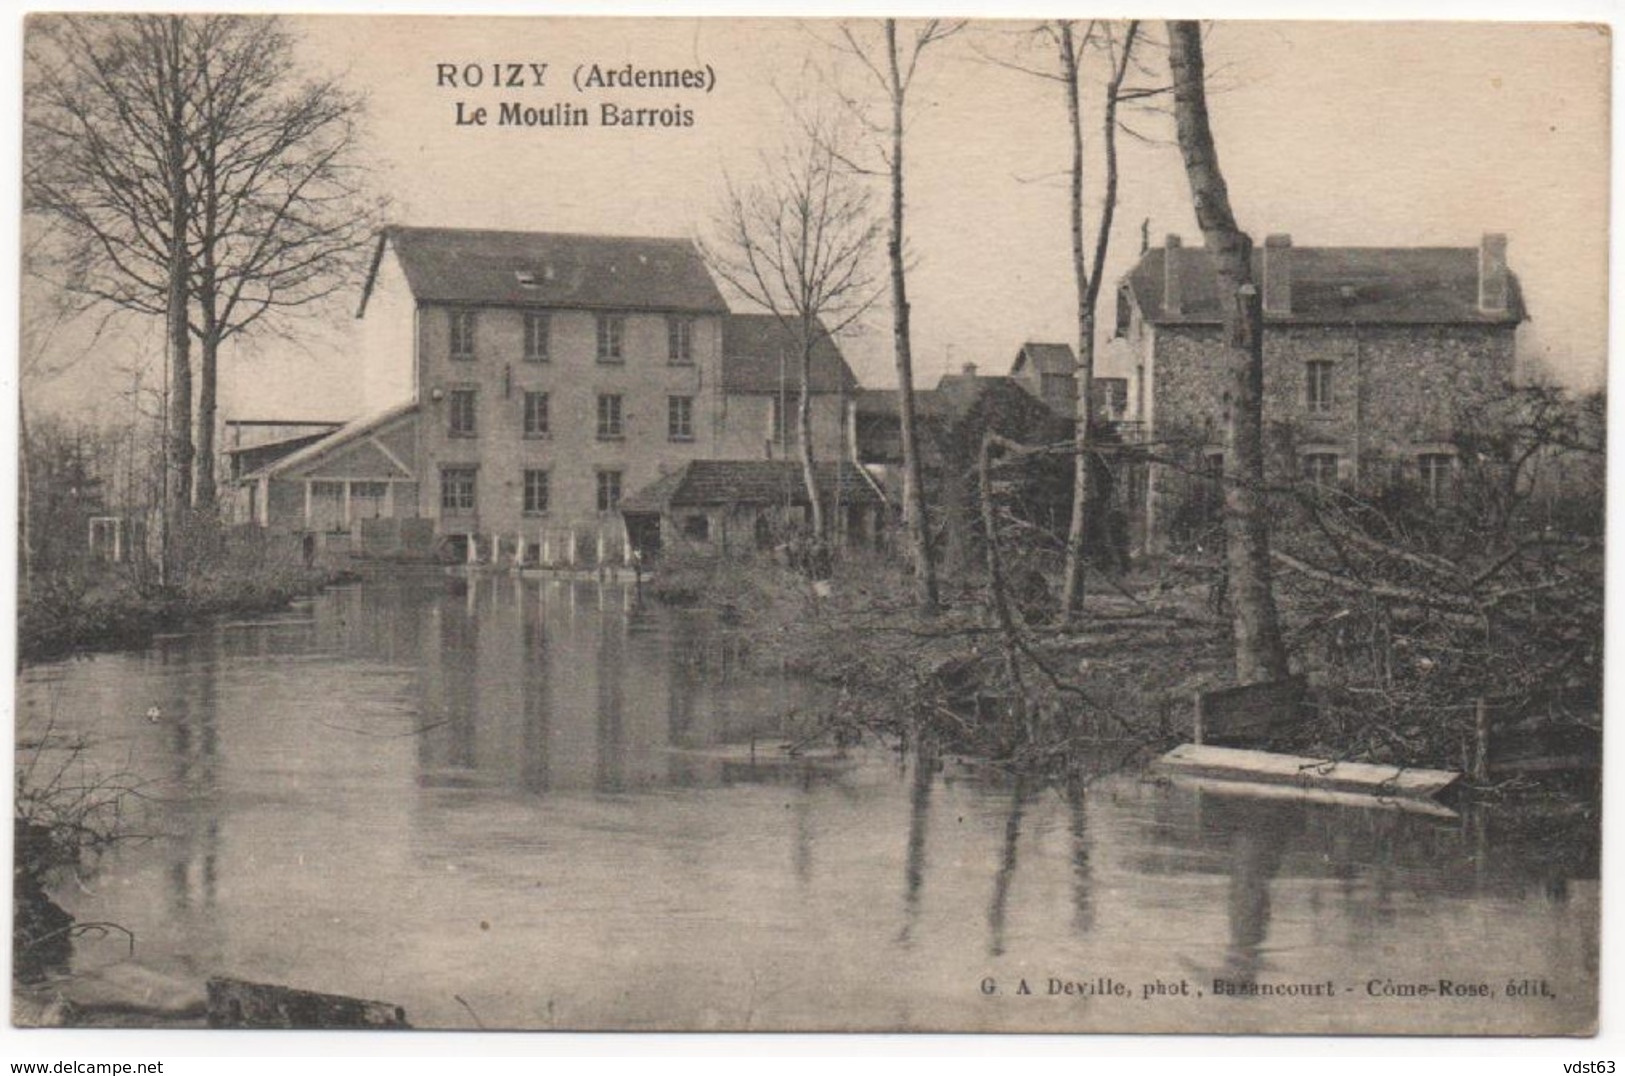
x=1249, y=713
x=237, y=1003
x=1264, y=767
x=1293, y=793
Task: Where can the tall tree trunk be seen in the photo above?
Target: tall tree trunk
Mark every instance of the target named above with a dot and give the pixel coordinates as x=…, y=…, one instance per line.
x=1260, y=651
x=177, y=330
x=204, y=491
x=1076, y=543
x=25, y=484
x=914, y=517
x=809, y=472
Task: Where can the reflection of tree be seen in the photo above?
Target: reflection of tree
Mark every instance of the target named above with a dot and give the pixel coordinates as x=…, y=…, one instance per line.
x=1007, y=869
x=1257, y=833
x=537, y=705
x=919, y=813
x=1083, y=905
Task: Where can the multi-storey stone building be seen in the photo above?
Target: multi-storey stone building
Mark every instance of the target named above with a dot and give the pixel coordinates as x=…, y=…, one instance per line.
x=1372, y=357
x=519, y=385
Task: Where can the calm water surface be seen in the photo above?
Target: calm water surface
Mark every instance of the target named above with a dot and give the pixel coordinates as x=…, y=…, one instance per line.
x=538, y=798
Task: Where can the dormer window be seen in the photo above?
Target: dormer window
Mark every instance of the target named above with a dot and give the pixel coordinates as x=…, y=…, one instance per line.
x=526, y=278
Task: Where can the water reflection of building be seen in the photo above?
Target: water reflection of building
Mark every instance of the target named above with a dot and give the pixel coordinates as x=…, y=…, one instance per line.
x=561, y=685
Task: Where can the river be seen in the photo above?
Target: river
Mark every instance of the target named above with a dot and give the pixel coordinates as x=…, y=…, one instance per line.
x=533, y=804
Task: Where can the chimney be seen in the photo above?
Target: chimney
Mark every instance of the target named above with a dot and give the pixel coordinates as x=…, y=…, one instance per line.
x=1492, y=273
x=1278, y=274
x=1172, y=294
x=969, y=369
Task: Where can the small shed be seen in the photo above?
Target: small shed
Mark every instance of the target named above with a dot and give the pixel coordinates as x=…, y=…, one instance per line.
x=744, y=504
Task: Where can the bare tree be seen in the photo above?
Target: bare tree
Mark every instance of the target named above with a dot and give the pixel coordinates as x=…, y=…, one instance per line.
x=1071, y=53
x=893, y=65
x=196, y=178
x=797, y=244
x=1260, y=650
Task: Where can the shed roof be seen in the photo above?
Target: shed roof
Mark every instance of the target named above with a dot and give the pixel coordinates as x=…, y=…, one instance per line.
x=1045, y=358
x=558, y=269
x=710, y=483
x=1393, y=285
x=345, y=435
x=760, y=354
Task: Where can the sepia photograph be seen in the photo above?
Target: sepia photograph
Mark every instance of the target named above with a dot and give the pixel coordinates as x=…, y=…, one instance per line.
x=721, y=524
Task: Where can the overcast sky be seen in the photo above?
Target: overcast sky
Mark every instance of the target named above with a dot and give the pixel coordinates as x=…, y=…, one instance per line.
x=1338, y=133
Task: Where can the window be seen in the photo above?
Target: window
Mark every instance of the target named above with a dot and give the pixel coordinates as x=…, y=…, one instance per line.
x=1436, y=469
x=367, y=499
x=457, y=491
x=538, y=335
x=680, y=418
x=776, y=430
x=697, y=528
x=327, y=506
x=460, y=413
x=1320, y=468
x=536, y=420
x=680, y=341
x=462, y=334
x=610, y=425
x=1210, y=490
x=609, y=490
x=537, y=489
x=1318, y=386
x=611, y=331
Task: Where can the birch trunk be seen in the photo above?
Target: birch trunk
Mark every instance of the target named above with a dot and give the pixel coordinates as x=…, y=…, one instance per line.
x=1259, y=648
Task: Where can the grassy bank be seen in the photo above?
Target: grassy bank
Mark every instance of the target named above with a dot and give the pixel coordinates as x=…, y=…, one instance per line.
x=74, y=612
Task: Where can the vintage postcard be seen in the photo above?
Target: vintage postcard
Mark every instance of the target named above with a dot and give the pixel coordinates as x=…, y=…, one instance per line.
x=717, y=524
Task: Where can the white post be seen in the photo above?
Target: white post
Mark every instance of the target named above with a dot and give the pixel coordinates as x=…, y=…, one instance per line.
x=519, y=550
x=600, y=545
x=547, y=548
x=573, y=544
x=473, y=549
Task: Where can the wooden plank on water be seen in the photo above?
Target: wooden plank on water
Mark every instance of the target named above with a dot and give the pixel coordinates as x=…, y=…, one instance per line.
x=237, y=1003
x=1264, y=767
x=1249, y=713
x=1296, y=794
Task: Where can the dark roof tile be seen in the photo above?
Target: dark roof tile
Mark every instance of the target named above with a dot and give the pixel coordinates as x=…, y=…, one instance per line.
x=703, y=483
x=1385, y=285
x=760, y=354
x=460, y=265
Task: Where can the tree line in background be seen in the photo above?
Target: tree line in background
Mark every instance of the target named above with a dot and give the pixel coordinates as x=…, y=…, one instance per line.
x=185, y=169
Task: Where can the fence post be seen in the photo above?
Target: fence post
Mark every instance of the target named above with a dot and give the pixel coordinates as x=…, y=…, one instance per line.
x=1481, y=740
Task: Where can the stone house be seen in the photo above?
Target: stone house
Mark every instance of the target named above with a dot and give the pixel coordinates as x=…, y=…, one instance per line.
x=1372, y=356
x=519, y=384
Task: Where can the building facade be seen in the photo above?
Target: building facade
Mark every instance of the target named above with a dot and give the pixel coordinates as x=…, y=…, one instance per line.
x=519, y=385
x=1372, y=359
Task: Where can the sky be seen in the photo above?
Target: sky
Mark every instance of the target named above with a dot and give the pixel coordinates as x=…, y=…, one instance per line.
x=1372, y=134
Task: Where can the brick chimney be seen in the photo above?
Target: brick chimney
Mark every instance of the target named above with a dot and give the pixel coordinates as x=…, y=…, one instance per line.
x=968, y=369
x=1278, y=274
x=1492, y=273
x=1173, y=301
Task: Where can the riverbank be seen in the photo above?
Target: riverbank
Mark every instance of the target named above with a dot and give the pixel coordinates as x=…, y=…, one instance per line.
x=66, y=614
x=1113, y=689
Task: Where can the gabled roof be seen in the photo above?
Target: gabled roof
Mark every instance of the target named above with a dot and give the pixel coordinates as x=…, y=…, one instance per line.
x=557, y=269
x=953, y=398
x=761, y=354
x=712, y=483
x=340, y=438
x=1337, y=285
x=1046, y=358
